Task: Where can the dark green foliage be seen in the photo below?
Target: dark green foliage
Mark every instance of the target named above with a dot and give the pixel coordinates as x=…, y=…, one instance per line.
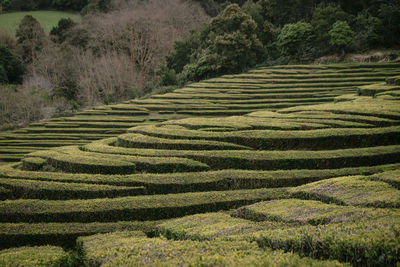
x=294, y=40
x=323, y=20
x=341, y=36
x=389, y=13
x=18, y=5
x=369, y=31
x=70, y=4
x=236, y=42
x=60, y=31
x=11, y=69
x=229, y=44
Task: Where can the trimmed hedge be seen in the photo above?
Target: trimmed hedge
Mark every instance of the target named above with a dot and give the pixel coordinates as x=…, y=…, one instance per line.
x=211, y=226
x=393, y=80
x=141, y=208
x=361, y=106
x=266, y=160
x=369, y=243
x=132, y=140
x=136, y=250
x=283, y=140
x=34, y=256
x=33, y=163
x=72, y=159
x=199, y=181
x=308, y=212
x=351, y=190
x=63, y=234
x=390, y=177
x=55, y=190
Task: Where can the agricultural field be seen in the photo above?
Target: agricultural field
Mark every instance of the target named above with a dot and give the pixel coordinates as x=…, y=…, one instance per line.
x=47, y=19
x=280, y=166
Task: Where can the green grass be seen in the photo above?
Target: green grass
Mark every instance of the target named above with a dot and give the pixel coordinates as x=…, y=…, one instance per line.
x=48, y=19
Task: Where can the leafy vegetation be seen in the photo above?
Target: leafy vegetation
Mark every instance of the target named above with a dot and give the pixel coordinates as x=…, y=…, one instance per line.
x=287, y=165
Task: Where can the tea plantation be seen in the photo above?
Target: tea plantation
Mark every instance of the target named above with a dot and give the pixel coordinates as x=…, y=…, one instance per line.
x=280, y=166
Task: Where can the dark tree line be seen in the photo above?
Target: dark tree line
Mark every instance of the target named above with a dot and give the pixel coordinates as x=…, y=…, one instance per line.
x=70, y=5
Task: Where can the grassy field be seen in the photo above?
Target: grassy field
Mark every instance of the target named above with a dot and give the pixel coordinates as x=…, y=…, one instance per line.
x=48, y=19
x=279, y=166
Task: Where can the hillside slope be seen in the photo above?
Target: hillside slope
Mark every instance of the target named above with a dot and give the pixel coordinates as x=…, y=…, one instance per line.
x=261, y=167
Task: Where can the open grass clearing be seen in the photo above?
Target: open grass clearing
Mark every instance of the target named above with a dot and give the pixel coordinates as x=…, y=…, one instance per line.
x=47, y=19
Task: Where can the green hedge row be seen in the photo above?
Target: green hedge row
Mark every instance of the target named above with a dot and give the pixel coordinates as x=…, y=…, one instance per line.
x=132, y=140
x=306, y=75
x=31, y=189
x=43, y=256
x=100, y=119
x=96, y=124
x=393, y=80
x=72, y=159
x=390, y=177
x=351, y=190
x=38, y=130
x=134, y=249
x=33, y=163
x=304, y=80
x=63, y=234
x=368, y=106
x=317, y=139
x=301, y=84
x=370, y=243
x=198, y=181
x=377, y=121
x=267, y=160
x=308, y=212
x=142, y=208
x=216, y=225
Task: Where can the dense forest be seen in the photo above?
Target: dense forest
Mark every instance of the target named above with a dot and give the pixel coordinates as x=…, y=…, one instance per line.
x=124, y=49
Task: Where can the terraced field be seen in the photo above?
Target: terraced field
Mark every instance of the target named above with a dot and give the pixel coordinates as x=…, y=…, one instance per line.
x=281, y=166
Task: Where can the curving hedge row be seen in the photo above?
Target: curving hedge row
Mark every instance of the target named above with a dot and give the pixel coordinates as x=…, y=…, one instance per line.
x=134, y=249
x=63, y=234
x=72, y=159
x=308, y=212
x=317, y=139
x=141, y=208
x=351, y=190
x=266, y=160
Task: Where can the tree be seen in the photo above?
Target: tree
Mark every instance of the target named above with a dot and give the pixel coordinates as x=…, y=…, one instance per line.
x=341, y=36
x=369, y=31
x=323, y=20
x=389, y=13
x=295, y=39
x=30, y=39
x=235, y=44
x=59, y=32
x=70, y=4
x=11, y=69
